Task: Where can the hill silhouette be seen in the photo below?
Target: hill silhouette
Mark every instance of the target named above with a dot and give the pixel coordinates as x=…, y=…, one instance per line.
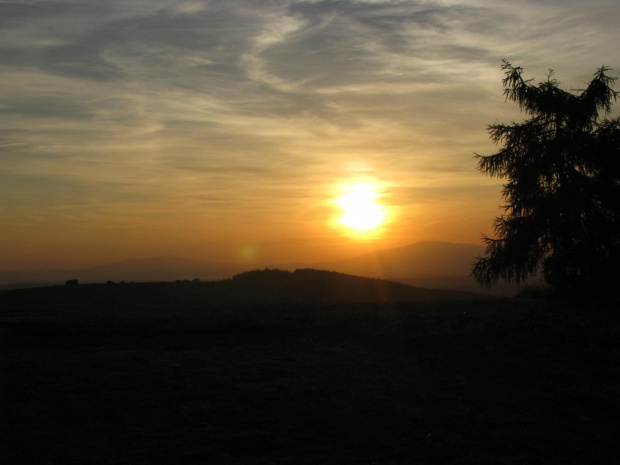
x=323, y=285
x=251, y=287
x=429, y=264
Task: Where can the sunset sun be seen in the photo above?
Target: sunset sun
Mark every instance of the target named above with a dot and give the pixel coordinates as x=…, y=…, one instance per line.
x=360, y=209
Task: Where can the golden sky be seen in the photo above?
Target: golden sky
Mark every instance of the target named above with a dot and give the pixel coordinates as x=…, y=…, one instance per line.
x=231, y=130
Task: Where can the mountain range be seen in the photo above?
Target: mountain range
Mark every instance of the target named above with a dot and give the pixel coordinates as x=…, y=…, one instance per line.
x=430, y=264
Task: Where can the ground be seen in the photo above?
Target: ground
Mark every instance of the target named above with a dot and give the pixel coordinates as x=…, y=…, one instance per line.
x=103, y=378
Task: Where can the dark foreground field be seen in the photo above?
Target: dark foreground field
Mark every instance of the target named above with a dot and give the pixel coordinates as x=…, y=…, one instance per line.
x=111, y=375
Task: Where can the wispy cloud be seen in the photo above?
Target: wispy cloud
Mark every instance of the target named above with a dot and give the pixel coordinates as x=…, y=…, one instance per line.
x=259, y=108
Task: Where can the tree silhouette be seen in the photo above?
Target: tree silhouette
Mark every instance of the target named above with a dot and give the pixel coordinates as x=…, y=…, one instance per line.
x=562, y=195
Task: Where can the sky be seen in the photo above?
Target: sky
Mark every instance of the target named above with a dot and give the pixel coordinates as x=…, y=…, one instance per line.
x=230, y=131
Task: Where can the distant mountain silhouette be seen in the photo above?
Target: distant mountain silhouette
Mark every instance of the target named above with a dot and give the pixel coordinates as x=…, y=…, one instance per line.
x=440, y=265
x=154, y=263
x=433, y=264
x=427, y=259
x=161, y=269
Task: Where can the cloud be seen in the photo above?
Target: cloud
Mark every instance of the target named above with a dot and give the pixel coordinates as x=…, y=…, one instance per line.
x=268, y=102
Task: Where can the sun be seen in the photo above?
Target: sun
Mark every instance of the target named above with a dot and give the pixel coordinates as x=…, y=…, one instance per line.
x=361, y=211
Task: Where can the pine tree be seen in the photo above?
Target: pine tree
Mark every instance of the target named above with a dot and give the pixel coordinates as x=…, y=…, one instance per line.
x=562, y=193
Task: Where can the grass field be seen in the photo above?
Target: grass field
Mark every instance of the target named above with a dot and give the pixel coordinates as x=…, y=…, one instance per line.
x=160, y=376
